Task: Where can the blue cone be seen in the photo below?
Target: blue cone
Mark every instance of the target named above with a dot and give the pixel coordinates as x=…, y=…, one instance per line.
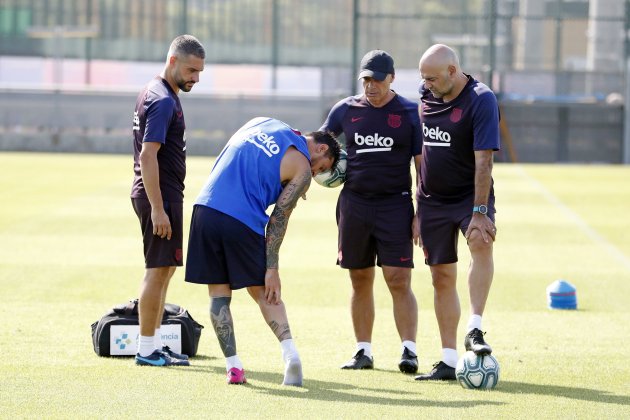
x=561, y=295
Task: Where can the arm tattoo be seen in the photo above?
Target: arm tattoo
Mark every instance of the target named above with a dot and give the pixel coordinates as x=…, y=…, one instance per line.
x=279, y=219
x=221, y=318
x=283, y=332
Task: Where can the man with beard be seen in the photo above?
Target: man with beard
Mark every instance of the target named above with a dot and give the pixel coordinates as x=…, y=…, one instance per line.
x=158, y=189
x=233, y=243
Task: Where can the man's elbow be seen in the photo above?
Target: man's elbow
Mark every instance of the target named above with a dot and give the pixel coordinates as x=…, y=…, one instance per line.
x=147, y=155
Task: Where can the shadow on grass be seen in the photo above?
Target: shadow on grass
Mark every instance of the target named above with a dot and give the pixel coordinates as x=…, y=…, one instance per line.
x=343, y=392
x=201, y=357
x=575, y=393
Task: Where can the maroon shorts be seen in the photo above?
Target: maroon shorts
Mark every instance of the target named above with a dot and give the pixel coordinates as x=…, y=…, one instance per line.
x=440, y=224
x=161, y=252
x=374, y=229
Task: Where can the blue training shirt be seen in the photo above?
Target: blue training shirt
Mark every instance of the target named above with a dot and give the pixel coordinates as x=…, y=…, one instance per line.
x=245, y=179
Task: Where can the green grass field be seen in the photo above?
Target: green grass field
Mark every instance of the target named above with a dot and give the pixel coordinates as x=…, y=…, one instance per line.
x=70, y=248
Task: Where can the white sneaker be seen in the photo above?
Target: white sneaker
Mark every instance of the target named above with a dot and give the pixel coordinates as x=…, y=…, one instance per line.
x=293, y=372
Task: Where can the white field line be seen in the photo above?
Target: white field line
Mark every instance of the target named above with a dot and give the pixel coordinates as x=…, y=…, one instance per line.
x=578, y=221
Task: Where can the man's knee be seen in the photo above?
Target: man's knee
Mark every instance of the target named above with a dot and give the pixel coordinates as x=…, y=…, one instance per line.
x=257, y=293
x=159, y=275
x=398, y=280
x=443, y=277
x=362, y=279
x=476, y=244
x=162, y=271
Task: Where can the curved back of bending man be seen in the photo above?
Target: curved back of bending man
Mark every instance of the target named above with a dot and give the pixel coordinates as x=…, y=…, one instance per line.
x=233, y=244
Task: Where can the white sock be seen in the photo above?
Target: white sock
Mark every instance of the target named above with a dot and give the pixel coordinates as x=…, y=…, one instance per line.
x=366, y=347
x=449, y=356
x=146, y=345
x=474, y=322
x=158, y=339
x=289, y=351
x=233, y=362
x=410, y=345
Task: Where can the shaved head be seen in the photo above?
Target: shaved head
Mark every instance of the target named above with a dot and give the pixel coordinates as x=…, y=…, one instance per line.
x=440, y=70
x=441, y=56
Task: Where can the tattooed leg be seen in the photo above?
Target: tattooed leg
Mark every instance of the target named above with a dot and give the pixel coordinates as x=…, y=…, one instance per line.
x=276, y=318
x=223, y=325
x=275, y=315
x=282, y=331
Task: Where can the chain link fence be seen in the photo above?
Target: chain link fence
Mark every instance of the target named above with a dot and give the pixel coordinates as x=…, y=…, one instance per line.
x=543, y=58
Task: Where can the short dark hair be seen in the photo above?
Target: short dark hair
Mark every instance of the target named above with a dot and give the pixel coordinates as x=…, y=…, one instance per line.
x=187, y=45
x=328, y=138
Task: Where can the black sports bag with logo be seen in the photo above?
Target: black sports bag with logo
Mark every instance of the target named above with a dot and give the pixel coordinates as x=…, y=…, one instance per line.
x=126, y=314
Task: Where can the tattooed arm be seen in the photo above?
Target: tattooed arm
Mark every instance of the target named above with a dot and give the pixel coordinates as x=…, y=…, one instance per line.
x=295, y=172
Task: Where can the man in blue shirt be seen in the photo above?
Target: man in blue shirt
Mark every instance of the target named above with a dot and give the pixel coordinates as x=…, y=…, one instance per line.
x=375, y=209
x=157, y=193
x=460, y=128
x=234, y=244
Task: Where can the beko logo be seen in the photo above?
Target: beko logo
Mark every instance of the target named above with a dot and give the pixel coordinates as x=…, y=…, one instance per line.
x=264, y=142
x=436, y=134
x=376, y=143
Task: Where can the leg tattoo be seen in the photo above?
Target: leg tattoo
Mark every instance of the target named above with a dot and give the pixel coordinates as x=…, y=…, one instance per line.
x=223, y=325
x=283, y=331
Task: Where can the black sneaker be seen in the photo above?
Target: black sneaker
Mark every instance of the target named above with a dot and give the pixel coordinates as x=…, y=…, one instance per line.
x=441, y=372
x=474, y=342
x=167, y=350
x=359, y=361
x=408, y=362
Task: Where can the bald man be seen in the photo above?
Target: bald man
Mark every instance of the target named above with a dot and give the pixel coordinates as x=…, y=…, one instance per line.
x=460, y=131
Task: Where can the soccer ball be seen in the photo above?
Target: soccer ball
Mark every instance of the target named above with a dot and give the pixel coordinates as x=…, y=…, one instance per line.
x=477, y=372
x=337, y=175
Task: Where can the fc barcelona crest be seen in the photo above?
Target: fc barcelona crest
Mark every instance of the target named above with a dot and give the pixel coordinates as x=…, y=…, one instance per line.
x=456, y=115
x=394, y=120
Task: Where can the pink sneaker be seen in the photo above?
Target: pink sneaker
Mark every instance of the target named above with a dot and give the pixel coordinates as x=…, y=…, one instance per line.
x=236, y=376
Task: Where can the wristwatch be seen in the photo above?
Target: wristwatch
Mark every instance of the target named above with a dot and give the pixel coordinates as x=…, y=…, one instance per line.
x=481, y=209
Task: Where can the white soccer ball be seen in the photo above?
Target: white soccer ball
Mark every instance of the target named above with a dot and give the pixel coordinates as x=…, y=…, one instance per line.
x=477, y=372
x=337, y=175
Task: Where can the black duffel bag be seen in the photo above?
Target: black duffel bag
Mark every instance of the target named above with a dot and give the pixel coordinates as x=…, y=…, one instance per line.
x=125, y=318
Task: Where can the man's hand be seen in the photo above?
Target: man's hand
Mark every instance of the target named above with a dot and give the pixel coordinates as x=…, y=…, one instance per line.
x=485, y=226
x=415, y=230
x=272, y=286
x=161, y=223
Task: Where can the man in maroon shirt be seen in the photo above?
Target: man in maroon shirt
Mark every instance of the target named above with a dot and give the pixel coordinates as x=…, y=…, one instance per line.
x=157, y=193
x=375, y=209
x=460, y=127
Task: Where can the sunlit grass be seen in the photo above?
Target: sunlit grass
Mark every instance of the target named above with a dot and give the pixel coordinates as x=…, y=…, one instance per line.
x=70, y=248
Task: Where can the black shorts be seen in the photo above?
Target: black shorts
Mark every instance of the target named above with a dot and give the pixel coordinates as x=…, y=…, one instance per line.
x=374, y=229
x=161, y=252
x=440, y=224
x=223, y=250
